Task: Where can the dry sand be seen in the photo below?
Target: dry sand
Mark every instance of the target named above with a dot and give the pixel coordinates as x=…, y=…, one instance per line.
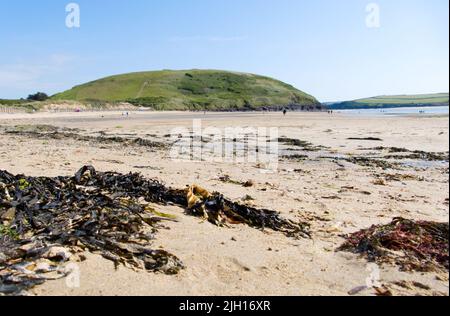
x=336, y=197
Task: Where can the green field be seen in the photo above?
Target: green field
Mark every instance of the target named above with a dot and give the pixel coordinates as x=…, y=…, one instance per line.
x=438, y=99
x=191, y=90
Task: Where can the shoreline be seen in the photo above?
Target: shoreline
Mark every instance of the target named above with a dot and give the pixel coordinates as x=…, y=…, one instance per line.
x=168, y=114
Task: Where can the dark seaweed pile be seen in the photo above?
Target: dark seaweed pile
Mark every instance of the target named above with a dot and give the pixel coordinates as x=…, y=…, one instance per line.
x=403, y=153
x=105, y=213
x=153, y=191
x=376, y=139
x=51, y=132
x=93, y=211
x=423, y=246
x=372, y=162
x=222, y=211
x=421, y=155
x=306, y=146
x=366, y=162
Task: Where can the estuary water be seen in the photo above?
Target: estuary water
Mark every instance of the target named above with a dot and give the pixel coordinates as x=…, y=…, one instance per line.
x=431, y=110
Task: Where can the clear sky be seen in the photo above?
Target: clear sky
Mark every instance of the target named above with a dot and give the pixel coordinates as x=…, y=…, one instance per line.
x=323, y=47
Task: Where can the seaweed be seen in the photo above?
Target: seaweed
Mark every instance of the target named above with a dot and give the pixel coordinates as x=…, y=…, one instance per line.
x=421, y=155
x=372, y=162
x=397, y=177
x=411, y=154
x=366, y=162
x=105, y=213
x=298, y=157
x=8, y=232
x=227, y=179
x=390, y=149
x=221, y=211
x=306, y=146
x=413, y=245
x=50, y=132
x=376, y=139
x=98, y=212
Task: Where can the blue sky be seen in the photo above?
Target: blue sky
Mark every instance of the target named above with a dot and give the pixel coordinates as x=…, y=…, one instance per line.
x=323, y=47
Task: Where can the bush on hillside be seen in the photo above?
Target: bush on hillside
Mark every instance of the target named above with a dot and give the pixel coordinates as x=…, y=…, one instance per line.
x=40, y=96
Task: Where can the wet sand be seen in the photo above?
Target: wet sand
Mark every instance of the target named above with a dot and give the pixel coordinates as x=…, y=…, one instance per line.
x=336, y=195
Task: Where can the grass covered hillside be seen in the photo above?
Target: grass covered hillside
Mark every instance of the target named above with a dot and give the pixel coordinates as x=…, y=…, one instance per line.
x=192, y=90
x=6, y=102
x=438, y=99
x=23, y=105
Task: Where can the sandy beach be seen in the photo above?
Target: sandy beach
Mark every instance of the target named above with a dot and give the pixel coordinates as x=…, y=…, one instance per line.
x=326, y=187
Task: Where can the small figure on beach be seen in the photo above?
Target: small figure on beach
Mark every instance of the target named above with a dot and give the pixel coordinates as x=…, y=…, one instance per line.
x=284, y=112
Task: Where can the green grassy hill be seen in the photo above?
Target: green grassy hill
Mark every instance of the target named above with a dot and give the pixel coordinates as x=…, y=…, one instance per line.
x=438, y=99
x=192, y=90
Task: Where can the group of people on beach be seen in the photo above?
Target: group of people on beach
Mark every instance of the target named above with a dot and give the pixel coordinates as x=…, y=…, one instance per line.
x=331, y=112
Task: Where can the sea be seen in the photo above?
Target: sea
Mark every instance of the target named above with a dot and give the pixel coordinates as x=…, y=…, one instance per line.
x=431, y=110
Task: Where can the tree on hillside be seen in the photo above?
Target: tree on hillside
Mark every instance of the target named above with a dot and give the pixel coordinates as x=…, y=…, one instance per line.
x=40, y=96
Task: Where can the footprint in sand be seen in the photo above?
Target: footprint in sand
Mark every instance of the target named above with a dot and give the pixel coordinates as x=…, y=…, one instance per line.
x=229, y=271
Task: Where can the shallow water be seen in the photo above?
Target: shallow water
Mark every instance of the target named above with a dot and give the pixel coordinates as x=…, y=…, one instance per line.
x=425, y=164
x=437, y=110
